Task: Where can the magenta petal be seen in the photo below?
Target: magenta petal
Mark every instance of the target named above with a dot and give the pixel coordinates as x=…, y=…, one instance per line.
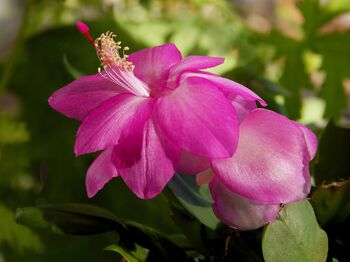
x=243, y=107
x=228, y=86
x=190, y=165
x=194, y=63
x=118, y=115
x=199, y=119
x=239, y=212
x=271, y=163
x=77, y=99
x=148, y=177
x=152, y=65
x=100, y=172
x=310, y=139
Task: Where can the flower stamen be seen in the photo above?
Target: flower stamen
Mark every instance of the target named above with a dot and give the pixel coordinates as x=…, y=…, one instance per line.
x=115, y=67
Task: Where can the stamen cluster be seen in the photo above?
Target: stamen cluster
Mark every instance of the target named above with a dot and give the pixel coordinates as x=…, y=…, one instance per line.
x=108, y=52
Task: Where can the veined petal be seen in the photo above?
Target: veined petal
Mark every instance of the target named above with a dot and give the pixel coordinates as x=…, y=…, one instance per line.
x=77, y=99
x=148, y=177
x=100, y=172
x=103, y=127
x=228, y=86
x=239, y=212
x=152, y=65
x=199, y=119
x=271, y=163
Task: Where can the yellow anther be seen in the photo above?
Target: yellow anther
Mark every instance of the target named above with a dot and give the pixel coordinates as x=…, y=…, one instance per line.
x=108, y=53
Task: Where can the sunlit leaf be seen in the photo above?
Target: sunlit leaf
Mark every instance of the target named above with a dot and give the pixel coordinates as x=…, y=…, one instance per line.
x=295, y=236
x=139, y=254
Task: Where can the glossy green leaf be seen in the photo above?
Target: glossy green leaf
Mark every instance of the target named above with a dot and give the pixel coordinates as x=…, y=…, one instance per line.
x=81, y=219
x=295, y=236
x=72, y=219
x=196, y=200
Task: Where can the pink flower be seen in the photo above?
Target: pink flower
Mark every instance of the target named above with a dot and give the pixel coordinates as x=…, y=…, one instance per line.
x=152, y=113
x=270, y=167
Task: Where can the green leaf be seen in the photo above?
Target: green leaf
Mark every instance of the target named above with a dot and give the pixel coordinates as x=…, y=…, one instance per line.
x=331, y=202
x=82, y=219
x=138, y=255
x=196, y=200
x=17, y=236
x=201, y=237
x=332, y=163
x=295, y=236
x=71, y=219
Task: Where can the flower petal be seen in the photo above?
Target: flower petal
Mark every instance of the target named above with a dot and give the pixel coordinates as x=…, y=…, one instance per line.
x=243, y=107
x=228, y=86
x=271, y=163
x=148, y=177
x=77, y=99
x=239, y=212
x=190, y=164
x=192, y=63
x=199, y=119
x=310, y=139
x=152, y=65
x=118, y=115
x=100, y=172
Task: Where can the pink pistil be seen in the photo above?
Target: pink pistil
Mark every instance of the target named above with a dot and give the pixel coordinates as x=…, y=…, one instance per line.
x=84, y=29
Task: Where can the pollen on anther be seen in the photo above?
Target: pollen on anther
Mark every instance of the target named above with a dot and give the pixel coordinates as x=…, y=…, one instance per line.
x=108, y=53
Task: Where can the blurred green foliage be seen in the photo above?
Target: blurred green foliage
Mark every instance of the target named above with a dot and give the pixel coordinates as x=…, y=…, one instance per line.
x=37, y=164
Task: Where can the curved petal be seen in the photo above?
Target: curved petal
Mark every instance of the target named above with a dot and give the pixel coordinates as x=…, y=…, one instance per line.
x=310, y=139
x=239, y=212
x=228, y=86
x=190, y=165
x=152, y=65
x=77, y=99
x=243, y=107
x=199, y=119
x=148, y=177
x=271, y=164
x=118, y=115
x=100, y=172
x=192, y=63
